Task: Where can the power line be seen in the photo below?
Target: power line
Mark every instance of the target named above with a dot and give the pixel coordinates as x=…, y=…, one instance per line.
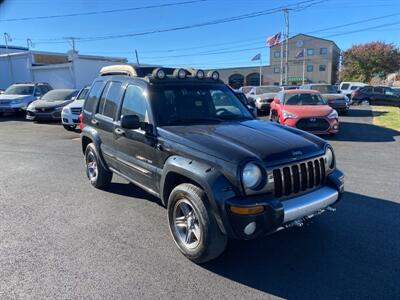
x=191, y=26
x=91, y=13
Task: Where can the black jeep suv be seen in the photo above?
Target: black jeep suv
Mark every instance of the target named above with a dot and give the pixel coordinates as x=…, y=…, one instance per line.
x=187, y=139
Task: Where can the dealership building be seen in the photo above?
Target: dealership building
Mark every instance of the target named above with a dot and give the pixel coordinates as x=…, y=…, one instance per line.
x=318, y=59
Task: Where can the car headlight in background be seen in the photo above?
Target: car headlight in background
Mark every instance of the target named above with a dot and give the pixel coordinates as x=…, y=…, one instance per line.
x=333, y=114
x=251, y=176
x=288, y=115
x=60, y=108
x=66, y=110
x=329, y=158
x=258, y=99
x=31, y=107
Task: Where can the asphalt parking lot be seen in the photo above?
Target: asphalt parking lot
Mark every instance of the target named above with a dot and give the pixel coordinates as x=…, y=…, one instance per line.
x=61, y=238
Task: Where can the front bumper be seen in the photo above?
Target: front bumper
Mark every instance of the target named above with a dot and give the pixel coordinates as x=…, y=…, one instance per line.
x=263, y=105
x=43, y=116
x=280, y=213
x=69, y=118
x=333, y=126
x=12, y=108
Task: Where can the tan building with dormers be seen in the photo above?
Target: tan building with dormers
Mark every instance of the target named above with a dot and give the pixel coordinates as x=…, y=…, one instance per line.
x=321, y=62
x=320, y=59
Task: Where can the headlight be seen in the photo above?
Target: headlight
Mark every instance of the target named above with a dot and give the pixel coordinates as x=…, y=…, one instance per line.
x=288, y=115
x=66, y=110
x=333, y=114
x=258, y=98
x=251, y=176
x=31, y=107
x=329, y=159
x=59, y=108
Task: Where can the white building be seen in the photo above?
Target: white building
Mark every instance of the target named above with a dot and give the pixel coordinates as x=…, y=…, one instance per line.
x=60, y=70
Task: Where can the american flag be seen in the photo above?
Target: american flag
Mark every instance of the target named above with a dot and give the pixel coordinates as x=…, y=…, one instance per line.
x=300, y=54
x=273, y=39
x=257, y=57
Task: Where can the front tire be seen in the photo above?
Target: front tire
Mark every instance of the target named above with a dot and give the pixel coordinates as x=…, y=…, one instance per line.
x=192, y=225
x=99, y=177
x=70, y=127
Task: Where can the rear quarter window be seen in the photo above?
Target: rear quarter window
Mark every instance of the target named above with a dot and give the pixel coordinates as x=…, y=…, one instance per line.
x=345, y=86
x=93, y=96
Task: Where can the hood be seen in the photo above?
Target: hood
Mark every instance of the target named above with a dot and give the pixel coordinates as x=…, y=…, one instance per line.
x=265, y=96
x=308, y=110
x=239, y=141
x=76, y=104
x=14, y=97
x=333, y=96
x=44, y=104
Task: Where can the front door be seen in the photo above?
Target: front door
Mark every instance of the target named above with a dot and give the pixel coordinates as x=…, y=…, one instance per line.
x=135, y=149
x=104, y=118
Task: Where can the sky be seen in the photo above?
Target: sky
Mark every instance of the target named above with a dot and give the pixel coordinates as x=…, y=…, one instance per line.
x=229, y=44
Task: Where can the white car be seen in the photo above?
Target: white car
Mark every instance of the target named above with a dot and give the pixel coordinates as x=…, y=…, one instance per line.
x=347, y=88
x=70, y=113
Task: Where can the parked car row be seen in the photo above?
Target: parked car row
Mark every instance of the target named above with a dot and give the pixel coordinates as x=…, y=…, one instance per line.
x=40, y=102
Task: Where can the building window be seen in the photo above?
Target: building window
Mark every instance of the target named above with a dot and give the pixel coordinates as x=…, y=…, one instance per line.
x=310, y=68
x=236, y=80
x=277, y=70
x=277, y=54
x=284, y=70
x=310, y=52
x=284, y=53
x=322, y=68
x=323, y=51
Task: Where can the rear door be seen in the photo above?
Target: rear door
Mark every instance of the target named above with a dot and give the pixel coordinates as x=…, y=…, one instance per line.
x=136, y=151
x=103, y=119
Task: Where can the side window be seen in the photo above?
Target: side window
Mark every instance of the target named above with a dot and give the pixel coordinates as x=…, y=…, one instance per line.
x=110, y=99
x=378, y=90
x=366, y=90
x=345, y=86
x=389, y=92
x=43, y=89
x=134, y=103
x=94, y=95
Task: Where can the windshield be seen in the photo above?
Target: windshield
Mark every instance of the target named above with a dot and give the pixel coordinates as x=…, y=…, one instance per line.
x=325, y=89
x=83, y=94
x=196, y=104
x=267, y=89
x=59, y=95
x=19, y=90
x=304, y=99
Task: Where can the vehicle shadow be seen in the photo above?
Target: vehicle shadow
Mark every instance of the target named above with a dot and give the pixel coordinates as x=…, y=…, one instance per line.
x=351, y=253
x=362, y=132
x=10, y=118
x=131, y=190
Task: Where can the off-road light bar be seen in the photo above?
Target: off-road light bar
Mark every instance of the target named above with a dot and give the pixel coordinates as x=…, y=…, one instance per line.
x=159, y=73
x=213, y=74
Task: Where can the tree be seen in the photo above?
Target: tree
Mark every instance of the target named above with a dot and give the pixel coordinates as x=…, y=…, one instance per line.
x=365, y=61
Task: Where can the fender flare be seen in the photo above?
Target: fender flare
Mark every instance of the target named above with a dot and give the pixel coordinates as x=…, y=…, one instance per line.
x=90, y=133
x=216, y=186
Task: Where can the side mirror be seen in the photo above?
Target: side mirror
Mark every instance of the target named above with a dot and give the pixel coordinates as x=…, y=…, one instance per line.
x=130, y=122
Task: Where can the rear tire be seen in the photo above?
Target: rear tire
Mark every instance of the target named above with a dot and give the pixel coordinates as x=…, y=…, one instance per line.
x=193, y=227
x=98, y=176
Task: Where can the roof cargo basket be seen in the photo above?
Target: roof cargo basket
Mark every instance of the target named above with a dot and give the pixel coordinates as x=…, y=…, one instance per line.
x=132, y=71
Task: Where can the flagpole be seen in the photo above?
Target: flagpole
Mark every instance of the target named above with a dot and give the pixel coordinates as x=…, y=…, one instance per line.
x=281, y=62
x=304, y=64
x=260, y=71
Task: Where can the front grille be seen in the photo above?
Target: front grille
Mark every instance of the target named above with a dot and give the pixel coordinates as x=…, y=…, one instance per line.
x=298, y=177
x=313, y=124
x=46, y=110
x=76, y=111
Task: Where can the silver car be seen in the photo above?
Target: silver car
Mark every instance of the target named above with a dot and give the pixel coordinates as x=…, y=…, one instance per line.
x=263, y=96
x=18, y=96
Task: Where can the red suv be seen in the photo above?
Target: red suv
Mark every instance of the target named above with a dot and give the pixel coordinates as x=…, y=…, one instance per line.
x=306, y=110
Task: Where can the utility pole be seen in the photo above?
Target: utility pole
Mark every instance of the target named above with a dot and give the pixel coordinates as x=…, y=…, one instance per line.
x=137, y=57
x=281, y=81
x=304, y=64
x=7, y=38
x=260, y=71
x=71, y=40
x=286, y=16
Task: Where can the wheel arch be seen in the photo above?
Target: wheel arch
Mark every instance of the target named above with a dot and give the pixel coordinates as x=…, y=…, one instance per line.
x=179, y=170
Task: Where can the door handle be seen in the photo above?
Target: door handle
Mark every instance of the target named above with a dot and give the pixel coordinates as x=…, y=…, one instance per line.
x=94, y=122
x=119, y=131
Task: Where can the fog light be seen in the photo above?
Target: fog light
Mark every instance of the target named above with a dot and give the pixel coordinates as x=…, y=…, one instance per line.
x=250, y=228
x=252, y=210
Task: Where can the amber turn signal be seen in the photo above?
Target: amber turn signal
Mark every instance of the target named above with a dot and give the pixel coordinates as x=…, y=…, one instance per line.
x=250, y=210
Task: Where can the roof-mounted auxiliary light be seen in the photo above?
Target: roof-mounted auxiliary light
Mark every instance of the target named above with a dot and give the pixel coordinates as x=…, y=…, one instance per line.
x=200, y=74
x=180, y=73
x=159, y=73
x=213, y=74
